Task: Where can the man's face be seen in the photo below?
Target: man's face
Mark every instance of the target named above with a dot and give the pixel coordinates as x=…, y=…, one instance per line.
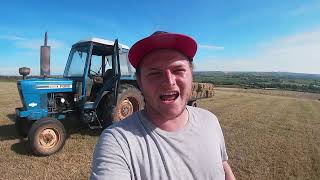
x=165, y=80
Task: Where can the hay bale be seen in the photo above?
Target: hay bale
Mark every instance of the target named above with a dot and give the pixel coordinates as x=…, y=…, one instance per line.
x=202, y=94
x=210, y=94
x=202, y=90
x=207, y=86
x=211, y=87
x=194, y=86
x=198, y=94
x=200, y=87
x=194, y=95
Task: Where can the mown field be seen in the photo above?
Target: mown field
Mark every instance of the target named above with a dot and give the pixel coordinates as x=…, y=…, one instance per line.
x=269, y=135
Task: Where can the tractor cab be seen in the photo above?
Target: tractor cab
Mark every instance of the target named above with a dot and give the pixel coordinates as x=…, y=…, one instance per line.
x=96, y=65
x=97, y=68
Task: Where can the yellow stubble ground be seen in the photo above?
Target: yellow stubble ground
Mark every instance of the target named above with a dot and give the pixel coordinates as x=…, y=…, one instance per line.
x=268, y=134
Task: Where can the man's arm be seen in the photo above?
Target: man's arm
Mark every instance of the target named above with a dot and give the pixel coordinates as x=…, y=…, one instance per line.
x=228, y=172
x=109, y=161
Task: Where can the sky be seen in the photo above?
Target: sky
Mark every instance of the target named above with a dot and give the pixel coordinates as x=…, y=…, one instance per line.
x=232, y=35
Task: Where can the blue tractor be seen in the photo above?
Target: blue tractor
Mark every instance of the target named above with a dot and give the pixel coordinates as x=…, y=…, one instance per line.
x=98, y=85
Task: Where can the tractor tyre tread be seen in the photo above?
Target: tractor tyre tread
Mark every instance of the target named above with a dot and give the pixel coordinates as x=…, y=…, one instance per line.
x=126, y=91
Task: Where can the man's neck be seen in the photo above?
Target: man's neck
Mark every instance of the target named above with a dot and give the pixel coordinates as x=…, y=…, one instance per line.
x=168, y=124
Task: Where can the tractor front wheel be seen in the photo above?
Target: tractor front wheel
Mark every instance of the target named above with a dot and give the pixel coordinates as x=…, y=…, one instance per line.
x=46, y=136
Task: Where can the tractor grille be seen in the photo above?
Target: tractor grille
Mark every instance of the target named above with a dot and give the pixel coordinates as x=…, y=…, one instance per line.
x=21, y=95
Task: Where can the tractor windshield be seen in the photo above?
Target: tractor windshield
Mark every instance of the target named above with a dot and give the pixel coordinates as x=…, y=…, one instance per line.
x=76, y=61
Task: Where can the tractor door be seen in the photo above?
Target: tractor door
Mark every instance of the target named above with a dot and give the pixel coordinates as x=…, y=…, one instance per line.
x=102, y=71
x=116, y=68
x=106, y=74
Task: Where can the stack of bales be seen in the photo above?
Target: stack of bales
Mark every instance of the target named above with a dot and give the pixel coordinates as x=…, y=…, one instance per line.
x=202, y=90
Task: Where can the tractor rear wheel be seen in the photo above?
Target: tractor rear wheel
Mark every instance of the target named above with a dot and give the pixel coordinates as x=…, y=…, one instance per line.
x=46, y=136
x=129, y=100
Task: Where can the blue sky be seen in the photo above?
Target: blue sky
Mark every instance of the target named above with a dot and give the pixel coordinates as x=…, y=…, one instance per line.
x=239, y=35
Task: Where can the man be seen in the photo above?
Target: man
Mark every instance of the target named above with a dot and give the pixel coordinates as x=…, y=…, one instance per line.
x=167, y=140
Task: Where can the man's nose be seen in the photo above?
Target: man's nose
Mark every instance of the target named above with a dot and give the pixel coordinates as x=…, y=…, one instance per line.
x=169, y=78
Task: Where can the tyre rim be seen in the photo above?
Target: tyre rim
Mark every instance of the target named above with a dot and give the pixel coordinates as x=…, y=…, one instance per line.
x=126, y=108
x=48, y=138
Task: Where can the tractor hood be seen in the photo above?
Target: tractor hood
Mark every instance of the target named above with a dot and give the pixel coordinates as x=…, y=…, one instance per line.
x=46, y=85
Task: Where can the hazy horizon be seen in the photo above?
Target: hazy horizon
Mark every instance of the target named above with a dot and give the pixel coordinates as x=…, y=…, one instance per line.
x=226, y=72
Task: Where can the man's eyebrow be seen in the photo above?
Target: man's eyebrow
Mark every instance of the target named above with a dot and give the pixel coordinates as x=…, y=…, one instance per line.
x=152, y=69
x=175, y=66
x=178, y=66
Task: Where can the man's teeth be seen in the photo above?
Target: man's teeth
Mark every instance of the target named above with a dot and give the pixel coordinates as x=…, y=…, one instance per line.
x=169, y=96
x=169, y=93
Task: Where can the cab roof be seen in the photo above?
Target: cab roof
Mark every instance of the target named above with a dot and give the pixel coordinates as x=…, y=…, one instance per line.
x=103, y=41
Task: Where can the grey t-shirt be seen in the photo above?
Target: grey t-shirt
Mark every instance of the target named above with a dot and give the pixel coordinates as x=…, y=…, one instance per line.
x=134, y=148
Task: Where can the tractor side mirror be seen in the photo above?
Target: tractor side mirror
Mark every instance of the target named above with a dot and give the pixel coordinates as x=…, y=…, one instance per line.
x=24, y=71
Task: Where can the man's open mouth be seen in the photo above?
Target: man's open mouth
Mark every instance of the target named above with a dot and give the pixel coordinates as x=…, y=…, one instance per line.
x=169, y=96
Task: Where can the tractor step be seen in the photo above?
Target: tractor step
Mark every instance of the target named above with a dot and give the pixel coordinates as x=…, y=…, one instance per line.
x=92, y=120
x=88, y=105
x=95, y=126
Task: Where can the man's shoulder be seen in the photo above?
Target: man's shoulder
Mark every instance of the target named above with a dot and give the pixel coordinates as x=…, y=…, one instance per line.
x=203, y=117
x=196, y=111
x=127, y=126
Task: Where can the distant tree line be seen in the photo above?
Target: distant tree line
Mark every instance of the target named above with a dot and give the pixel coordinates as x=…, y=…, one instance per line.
x=287, y=81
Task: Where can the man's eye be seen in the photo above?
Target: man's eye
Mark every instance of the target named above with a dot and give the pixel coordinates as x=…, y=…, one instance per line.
x=179, y=71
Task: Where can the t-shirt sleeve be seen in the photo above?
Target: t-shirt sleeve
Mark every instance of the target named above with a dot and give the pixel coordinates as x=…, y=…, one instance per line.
x=109, y=161
x=223, y=150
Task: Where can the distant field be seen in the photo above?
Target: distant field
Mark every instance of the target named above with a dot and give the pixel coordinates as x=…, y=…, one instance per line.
x=269, y=135
x=260, y=80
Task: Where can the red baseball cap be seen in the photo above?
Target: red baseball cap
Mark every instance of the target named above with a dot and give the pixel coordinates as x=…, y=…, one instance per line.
x=162, y=40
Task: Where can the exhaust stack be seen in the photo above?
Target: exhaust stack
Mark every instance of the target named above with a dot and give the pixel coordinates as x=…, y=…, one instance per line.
x=45, y=58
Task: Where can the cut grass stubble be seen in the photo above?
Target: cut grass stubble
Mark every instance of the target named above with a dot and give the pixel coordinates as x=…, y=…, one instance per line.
x=268, y=136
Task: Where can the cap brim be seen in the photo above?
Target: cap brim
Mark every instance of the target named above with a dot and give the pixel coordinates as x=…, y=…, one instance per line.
x=182, y=43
